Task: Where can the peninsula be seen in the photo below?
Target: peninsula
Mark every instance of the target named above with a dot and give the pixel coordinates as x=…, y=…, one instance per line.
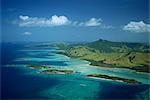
x=110, y=54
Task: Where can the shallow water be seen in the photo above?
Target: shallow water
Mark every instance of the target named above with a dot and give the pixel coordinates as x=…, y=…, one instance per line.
x=19, y=81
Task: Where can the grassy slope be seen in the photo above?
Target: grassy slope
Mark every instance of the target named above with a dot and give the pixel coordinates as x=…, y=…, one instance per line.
x=112, y=54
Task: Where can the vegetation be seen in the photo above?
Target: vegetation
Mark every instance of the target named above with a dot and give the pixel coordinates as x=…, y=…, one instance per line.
x=112, y=54
x=55, y=71
x=38, y=66
x=51, y=71
x=129, y=81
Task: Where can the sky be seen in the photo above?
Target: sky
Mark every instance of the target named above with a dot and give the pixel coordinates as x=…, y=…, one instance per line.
x=74, y=20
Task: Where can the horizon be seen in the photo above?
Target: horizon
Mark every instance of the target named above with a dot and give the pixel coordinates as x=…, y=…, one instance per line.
x=20, y=42
x=66, y=20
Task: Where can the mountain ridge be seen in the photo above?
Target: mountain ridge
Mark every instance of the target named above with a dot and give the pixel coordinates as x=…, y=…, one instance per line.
x=105, y=53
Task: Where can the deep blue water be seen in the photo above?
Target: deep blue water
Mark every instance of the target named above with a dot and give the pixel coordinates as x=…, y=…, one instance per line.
x=16, y=85
x=13, y=83
x=8, y=52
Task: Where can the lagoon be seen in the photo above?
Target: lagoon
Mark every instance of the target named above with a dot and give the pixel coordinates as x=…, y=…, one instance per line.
x=33, y=84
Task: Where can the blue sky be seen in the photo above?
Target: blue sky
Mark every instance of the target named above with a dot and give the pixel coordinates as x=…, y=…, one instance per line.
x=75, y=20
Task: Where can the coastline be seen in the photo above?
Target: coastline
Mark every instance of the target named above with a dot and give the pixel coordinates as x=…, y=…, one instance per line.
x=101, y=64
x=94, y=76
x=113, y=78
x=135, y=68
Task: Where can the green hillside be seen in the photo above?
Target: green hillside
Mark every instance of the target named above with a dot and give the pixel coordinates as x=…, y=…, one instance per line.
x=112, y=54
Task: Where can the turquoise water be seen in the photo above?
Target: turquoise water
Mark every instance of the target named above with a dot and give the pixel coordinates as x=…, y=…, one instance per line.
x=70, y=86
x=83, y=66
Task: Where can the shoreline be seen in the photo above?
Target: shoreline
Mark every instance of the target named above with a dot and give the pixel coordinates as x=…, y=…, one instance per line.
x=113, y=78
x=101, y=64
x=135, y=68
x=94, y=76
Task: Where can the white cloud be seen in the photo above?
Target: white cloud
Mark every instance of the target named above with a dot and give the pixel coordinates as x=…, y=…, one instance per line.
x=27, y=33
x=59, y=20
x=93, y=22
x=24, y=17
x=35, y=21
x=26, y=21
x=137, y=27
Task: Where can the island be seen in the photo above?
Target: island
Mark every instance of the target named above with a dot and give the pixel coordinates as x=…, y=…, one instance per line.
x=55, y=71
x=38, y=66
x=129, y=81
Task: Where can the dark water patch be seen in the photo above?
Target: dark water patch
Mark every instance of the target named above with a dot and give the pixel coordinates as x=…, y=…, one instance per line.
x=57, y=52
x=120, y=91
x=53, y=63
x=36, y=54
x=45, y=55
x=9, y=52
x=15, y=85
x=38, y=49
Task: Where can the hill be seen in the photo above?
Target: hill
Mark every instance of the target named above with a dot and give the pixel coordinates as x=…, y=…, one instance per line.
x=105, y=53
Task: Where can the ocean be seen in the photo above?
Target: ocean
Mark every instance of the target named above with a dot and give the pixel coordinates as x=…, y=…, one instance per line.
x=21, y=82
